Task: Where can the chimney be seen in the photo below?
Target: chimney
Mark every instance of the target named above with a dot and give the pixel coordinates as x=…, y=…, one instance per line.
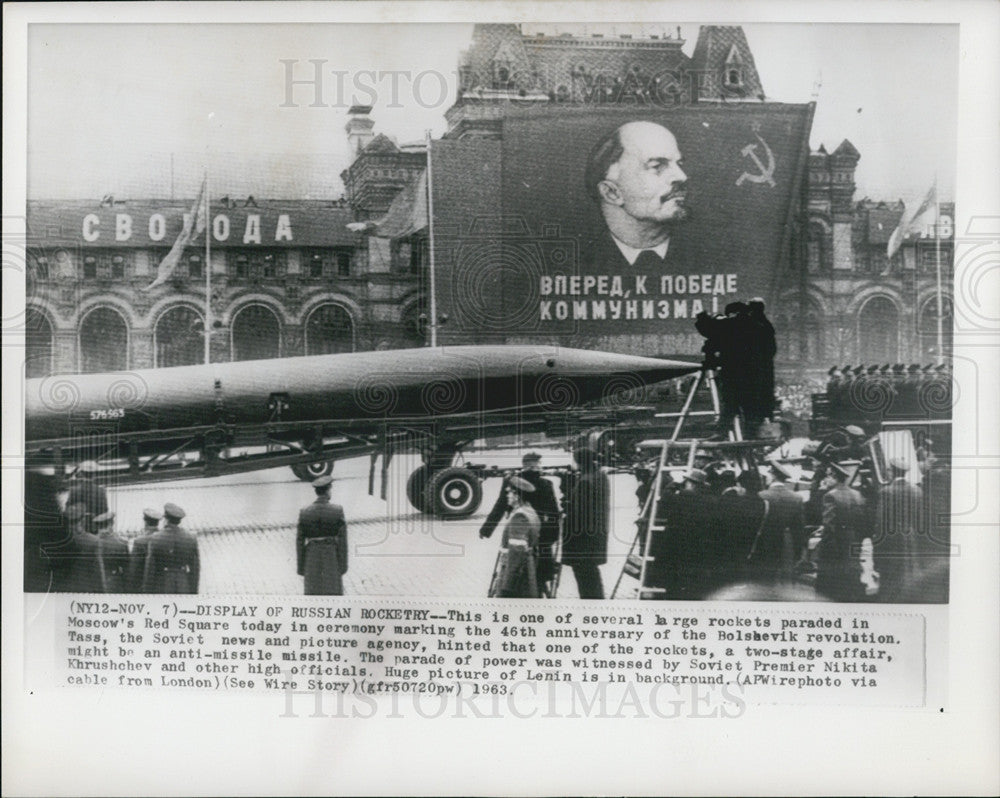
x=359, y=127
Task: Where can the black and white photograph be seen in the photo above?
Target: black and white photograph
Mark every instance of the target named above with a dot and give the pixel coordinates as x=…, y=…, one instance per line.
x=623, y=262
x=380, y=349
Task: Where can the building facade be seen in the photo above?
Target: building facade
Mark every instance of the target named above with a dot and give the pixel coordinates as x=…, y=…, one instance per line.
x=287, y=278
x=852, y=304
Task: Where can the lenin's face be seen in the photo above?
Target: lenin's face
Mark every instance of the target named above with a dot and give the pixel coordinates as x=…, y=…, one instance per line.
x=648, y=181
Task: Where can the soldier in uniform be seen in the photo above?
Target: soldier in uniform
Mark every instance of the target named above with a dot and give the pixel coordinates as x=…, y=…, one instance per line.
x=321, y=543
x=83, y=490
x=112, y=555
x=151, y=518
x=171, y=564
x=543, y=500
x=517, y=574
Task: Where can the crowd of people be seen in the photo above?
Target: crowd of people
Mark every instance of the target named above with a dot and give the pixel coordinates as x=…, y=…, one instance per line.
x=82, y=553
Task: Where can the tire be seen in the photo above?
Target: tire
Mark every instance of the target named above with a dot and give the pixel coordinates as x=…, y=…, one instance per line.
x=307, y=472
x=454, y=493
x=416, y=488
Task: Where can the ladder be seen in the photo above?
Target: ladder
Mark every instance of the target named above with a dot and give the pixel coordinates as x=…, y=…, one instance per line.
x=638, y=559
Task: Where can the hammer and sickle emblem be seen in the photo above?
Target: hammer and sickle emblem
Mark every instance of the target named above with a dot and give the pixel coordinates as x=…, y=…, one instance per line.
x=766, y=174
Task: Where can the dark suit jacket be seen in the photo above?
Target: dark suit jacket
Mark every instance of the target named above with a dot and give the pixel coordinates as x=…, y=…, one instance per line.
x=172, y=562
x=601, y=255
x=77, y=566
x=322, y=520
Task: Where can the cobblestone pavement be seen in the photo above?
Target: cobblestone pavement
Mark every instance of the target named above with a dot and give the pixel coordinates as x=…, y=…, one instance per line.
x=246, y=530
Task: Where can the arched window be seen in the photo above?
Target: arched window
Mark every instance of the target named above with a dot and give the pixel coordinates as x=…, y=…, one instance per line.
x=878, y=331
x=178, y=338
x=928, y=328
x=256, y=333
x=329, y=330
x=37, y=344
x=816, y=248
x=103, y=341
x=798, y=340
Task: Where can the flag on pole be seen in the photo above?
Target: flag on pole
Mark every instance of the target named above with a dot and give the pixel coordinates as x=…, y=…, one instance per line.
x=912, y=222
x=194, y=223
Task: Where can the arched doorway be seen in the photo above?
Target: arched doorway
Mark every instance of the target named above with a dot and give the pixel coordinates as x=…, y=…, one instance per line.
x=329, y=330
x=103, y=341
x=256, y=333
x=37, y=345
x=878, y=331
x=927, y=328
x=178, y=338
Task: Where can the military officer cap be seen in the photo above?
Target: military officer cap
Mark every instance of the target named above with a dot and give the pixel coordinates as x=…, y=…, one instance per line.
x=172, y=511
x=88, y=467
x=104, y=519
x=531, y=457
x=855, y=430
x=152, y=514
x=75, y=512
x=520, y=485
x=697, y=476
x=899, y=464
x=322, y=482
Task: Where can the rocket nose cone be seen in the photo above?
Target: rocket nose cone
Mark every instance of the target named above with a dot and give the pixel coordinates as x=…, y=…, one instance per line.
x=606, y=375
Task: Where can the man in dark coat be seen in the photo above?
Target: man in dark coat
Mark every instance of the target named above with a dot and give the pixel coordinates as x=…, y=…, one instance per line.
x=543, y=500
x=783, y=535
x=112, y=555
x=728, y=340
x=172, y=563
x=901, y=531
x=321, y=543
x=75, y=559
x=585, y=527
x=760, y=369
x=44, y=530
x=838, y=558
x=83, y=490
x=151, y=518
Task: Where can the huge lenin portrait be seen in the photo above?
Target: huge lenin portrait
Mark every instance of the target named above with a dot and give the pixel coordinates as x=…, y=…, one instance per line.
x=613, y=227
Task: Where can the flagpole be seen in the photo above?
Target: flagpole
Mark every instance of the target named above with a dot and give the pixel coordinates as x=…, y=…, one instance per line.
x=430, y=236
x=937, y=261
x=208, y=272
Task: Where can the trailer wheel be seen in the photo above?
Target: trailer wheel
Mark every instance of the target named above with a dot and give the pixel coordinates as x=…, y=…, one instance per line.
x=307, y=472
x=416, y=488
x=454, y=492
